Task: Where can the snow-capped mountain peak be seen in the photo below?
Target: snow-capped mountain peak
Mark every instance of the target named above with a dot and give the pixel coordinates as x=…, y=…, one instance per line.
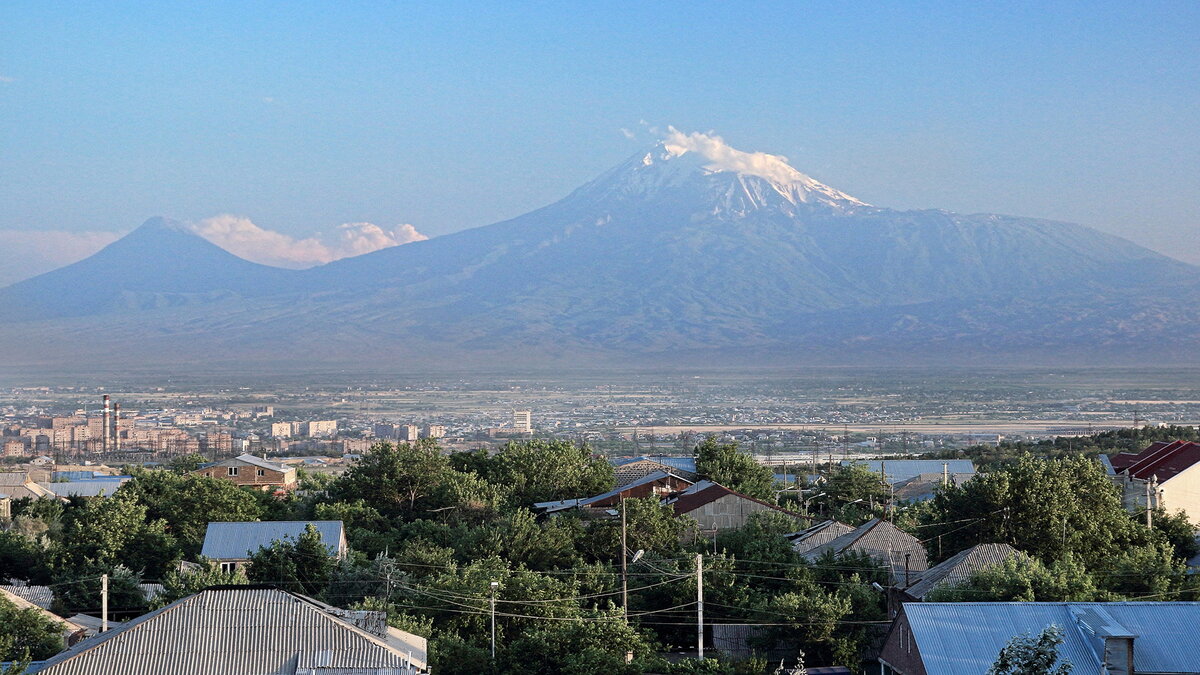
x=741, y=180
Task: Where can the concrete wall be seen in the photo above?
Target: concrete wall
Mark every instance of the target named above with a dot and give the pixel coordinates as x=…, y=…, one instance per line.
x=728, y=512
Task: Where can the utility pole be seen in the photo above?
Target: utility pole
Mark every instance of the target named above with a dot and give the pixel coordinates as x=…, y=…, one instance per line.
x=103, y=603
x=494, y=585
x=700, y=606
x=624, y=565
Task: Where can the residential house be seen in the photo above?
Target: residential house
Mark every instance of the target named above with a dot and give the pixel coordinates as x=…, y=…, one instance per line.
x=251, y=471
x=250, y=631
x=71, y=632
x=19, y=484
x=629, y=470
x=89, y=487
x=951, y=572
x=899, y=470
x=902, y=553
x=923, y=487
x=1109, y=638
x=818, y=535
x=715, y=507
x=656, y=484
x=230, y=545
x=1165, y=475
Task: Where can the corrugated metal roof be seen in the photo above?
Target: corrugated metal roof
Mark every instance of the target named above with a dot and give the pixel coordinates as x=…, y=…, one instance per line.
x=960, y=566
x=883, y=541
x=97, y=487
x=261, y=463
x=966, y=637
x=897, y=470
x=675, y=462
x=1162, y=460
x=648, y=478
x=819, y=534
x=238, y=541
x=21, y=603
x=248, y=631
x=41, y=596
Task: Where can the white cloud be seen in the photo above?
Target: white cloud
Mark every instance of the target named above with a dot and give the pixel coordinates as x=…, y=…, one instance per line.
x=722, y=157
x=28, y=253
x=628, y=134
x=5, y=79
x=241, y=237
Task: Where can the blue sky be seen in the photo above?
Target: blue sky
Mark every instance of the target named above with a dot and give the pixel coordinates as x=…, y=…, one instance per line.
x=303, y=116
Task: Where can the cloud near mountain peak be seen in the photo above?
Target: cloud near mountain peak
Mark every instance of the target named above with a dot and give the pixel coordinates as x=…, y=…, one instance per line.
x=243, y=238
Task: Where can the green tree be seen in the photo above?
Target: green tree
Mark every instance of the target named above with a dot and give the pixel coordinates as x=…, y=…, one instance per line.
x=27, y=633
x=396, y=479
x=187, y=463
x=1025, y=579
x=855, y=483
x=540, y=470
x=650, y=526
x=736, y=470
x=187, y=503
x=100, y=533
x=303, y=565
x=596, y=643
x=1025, y=655
x=181, y=584
x=81, y=593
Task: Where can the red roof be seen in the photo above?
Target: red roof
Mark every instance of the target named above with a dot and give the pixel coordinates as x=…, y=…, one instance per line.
x=1162, y=460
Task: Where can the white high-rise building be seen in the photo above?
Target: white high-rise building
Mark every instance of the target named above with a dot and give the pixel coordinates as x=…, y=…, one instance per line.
x=523, y=421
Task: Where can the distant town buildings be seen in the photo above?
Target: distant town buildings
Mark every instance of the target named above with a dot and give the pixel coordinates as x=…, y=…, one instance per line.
x=523, y=421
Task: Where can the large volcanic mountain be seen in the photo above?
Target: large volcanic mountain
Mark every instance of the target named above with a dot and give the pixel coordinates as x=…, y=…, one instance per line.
x=690, y=249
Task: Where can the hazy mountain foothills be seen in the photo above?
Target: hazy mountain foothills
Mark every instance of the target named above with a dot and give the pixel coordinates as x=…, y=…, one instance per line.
x=687, y=251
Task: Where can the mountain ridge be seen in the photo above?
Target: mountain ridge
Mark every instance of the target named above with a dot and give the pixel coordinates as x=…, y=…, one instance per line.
x=689, y=247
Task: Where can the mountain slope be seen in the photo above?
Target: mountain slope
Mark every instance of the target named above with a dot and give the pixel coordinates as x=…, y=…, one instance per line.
x=691, y=250
x=160, y=264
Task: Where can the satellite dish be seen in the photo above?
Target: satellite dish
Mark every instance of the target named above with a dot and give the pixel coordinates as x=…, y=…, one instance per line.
x=638, y=556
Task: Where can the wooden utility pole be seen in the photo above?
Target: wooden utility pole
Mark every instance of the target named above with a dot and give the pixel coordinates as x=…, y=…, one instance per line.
x=103, y=603
x=624, y=566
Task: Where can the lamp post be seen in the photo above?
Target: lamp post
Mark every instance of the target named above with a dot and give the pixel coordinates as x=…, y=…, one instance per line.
x=495, y=584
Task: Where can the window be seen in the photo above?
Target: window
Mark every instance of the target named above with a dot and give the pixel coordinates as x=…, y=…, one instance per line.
x=233, y=471
x=228, y=567
x=261, y=472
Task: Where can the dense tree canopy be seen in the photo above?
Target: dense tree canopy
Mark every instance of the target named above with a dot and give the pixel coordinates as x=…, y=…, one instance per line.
x=736, y=470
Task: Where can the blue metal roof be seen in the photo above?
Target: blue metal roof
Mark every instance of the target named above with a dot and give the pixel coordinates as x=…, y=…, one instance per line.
x=680, y=463
x=238, y=541
x=966, y=637
x=897, y=470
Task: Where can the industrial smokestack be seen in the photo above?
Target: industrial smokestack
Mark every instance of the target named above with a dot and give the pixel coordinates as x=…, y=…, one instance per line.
x=117, y=427
x=104, y=431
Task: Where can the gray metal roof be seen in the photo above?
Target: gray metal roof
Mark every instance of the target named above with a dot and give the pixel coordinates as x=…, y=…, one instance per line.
x=966, y=637
x=247, y=630
x=897, y=470
x=99, y=487
x=883, y=541
x=818, y=535
x=960, y=566
x=41, y=596
x=679, y=463
x=648, y=478
x=238, y=541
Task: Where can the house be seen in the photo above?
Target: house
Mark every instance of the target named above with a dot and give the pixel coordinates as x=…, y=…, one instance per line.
x=89, y=487
x=629, y=470
x=923, y=487
x=656, y=484
x=247, y=630
x=230, y=545
x=19, y=484
x=899, y=470
x=251, y=471
x=71, y=632
x=41, y=596
x=902, y=553
x=951, y=572
x=1165, y=475
x=818, y=535
x=1109, y=638
x=715, y=507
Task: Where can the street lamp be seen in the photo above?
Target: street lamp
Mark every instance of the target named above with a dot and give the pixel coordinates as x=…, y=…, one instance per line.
x=495, y=584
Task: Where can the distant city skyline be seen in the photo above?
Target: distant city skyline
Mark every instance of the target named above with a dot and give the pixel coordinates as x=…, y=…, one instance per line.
x=380, y=123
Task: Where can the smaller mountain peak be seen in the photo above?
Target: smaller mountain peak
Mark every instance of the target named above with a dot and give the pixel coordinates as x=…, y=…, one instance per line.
x=163, y=224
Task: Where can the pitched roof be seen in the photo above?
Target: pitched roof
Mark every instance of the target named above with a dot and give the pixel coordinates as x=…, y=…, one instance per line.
x=99, y=487
x=644, y=480
x=897, y=470
x=960, y=566
x=41, y=596
x=707, y=492
x=250, y=631
x=821, y=533
x=923, y=486
x=966, y=637
x=675, y=462
x=883, y=541
x=1162, y=459
x=22, y=603
x=238, y=541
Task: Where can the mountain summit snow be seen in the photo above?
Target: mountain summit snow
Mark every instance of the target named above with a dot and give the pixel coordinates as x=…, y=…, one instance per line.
x=717, y=175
